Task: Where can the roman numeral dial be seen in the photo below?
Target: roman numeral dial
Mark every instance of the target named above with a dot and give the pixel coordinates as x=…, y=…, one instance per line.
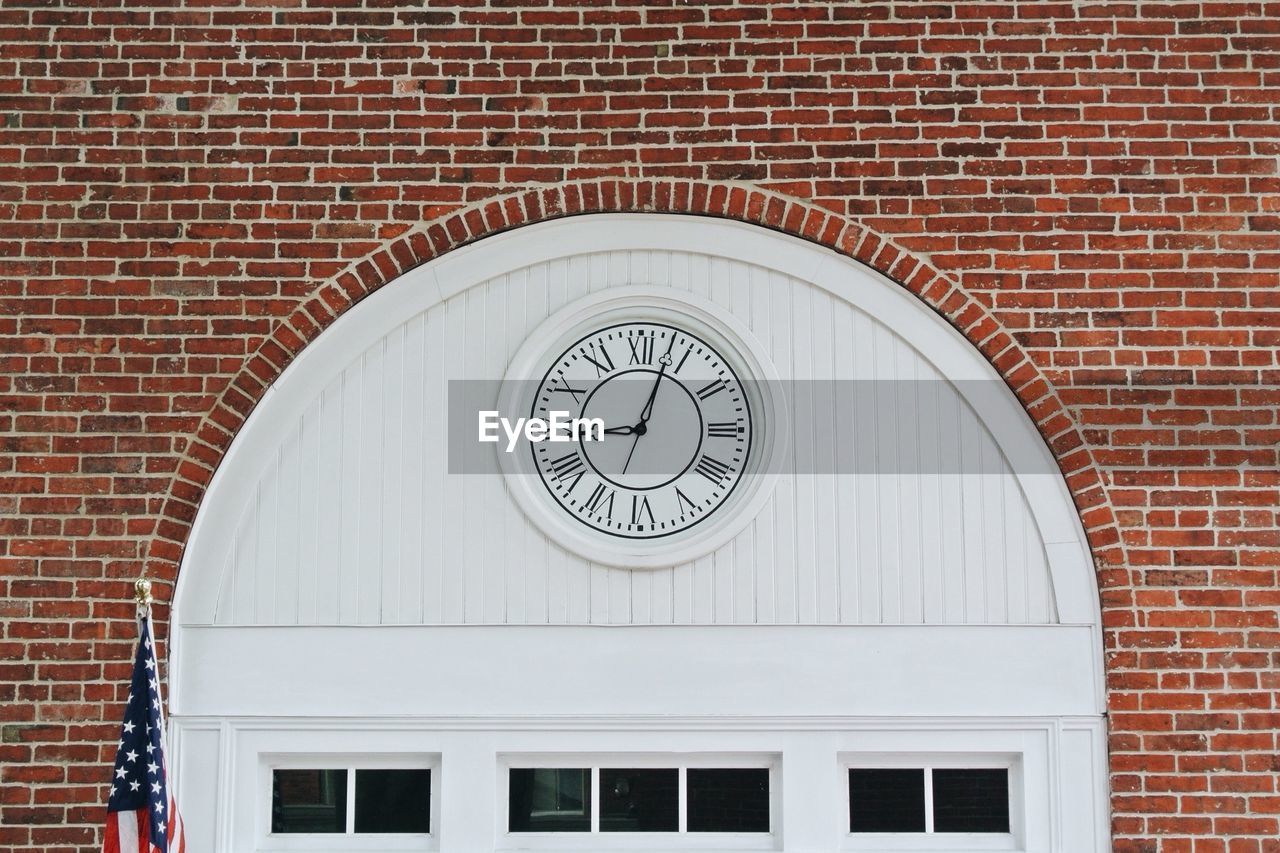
x=677, y=424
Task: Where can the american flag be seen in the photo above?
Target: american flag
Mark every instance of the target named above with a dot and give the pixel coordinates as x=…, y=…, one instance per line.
x=142, y=817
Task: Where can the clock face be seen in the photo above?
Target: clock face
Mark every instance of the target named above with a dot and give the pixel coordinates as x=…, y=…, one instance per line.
x=677, y=430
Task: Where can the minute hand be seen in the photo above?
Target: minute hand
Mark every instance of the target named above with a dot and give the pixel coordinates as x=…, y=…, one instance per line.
x=653, y=395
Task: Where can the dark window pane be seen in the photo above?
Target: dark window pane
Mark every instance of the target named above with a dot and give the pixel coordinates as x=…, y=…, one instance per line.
x=549, y=800
x=393, y=800
x=971, y=800
x=309, y=801
x=734, y=800
x=886, y=800
x=639, y=800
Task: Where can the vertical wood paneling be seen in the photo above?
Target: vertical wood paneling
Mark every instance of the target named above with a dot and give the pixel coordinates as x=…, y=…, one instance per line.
x=474, y=548
x=764, y=580
x=932, y=549
x=408, y=517
x=866, y=564
x=308, y=498
x=951, y=530
x=352, y=514
x=359, y=522
x=492, y=511
x=395, y=460
x=368, y=545
x=974, y=565
x=907, y=436
x=263, y=580
x=803, y=355
x=784, y=554
x=527, y=578
x=435, y=479
x=452, y=492
x=328, y=503
x=285, y=550
x=831, y=516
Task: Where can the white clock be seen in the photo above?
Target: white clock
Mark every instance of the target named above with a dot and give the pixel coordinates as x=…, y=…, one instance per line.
x=683, y=405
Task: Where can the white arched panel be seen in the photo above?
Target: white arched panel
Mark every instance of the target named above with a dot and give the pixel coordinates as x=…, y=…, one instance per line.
x=344, y=511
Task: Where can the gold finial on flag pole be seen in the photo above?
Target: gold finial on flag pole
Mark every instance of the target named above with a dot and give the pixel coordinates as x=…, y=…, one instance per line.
x=142, y=591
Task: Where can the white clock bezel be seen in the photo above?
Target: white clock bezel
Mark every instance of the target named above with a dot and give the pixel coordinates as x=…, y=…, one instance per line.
x=731, y=339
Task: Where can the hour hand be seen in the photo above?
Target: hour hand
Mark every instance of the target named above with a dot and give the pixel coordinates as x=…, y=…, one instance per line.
x=622, y=430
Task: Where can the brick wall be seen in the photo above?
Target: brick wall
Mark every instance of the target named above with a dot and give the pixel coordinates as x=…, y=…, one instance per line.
x=183, y=187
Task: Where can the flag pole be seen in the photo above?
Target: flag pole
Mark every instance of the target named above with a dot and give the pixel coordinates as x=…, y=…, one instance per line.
x=142, y=596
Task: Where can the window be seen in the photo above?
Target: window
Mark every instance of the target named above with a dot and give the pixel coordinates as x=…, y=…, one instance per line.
x=929, y=800
x=549, y=799
x=350, y=800
x=970, y=800
x=393, y=800
x=684, y=797
x=886, y=800
x=728, y=800
x=640, y=800
x=309, y=801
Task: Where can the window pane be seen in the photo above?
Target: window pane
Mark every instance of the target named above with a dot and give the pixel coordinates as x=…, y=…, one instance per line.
x=886, y=800
x=639, y=800
x=393, y=800
x=309, y=801
x=549, y=800
x=735, y=800
x=971, y=800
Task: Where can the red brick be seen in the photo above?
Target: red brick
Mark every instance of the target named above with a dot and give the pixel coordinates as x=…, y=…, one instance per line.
x=1087, y=191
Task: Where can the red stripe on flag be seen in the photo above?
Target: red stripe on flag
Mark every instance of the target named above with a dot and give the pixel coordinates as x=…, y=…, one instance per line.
x=177, y=831
x=127, y=832
x=111, y=837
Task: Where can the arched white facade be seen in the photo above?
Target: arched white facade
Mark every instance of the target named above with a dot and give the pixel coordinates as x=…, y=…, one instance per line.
x=343, y=593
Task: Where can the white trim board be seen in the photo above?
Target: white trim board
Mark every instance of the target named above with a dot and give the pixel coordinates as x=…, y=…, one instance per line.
x=772, y=671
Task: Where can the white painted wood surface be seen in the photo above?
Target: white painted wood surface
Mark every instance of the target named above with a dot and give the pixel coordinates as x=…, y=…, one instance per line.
x=1060, y=769
x=331, y=590
x=713, y=671
x=351, y=518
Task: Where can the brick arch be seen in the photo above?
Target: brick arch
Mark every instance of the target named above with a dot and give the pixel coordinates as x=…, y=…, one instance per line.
x=731, y=201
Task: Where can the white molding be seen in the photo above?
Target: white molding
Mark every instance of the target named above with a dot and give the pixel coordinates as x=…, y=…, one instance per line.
x=720, y=670
x=584, y=723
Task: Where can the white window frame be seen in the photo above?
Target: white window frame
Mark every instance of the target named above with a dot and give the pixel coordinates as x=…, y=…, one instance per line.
x=679, y=840
x=222, y=771
x=349, y=840
x=929, y=840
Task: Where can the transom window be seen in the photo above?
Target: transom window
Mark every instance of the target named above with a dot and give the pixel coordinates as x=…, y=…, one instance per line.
x=947, y=800
x=686, y=797
x=351, y=800
x=691, y=801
